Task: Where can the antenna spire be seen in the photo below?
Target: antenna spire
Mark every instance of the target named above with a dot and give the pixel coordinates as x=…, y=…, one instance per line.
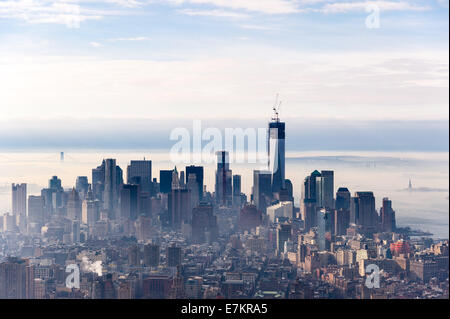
x=276, y=108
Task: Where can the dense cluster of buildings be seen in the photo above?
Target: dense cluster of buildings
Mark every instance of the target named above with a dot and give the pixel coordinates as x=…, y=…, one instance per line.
x=145, y=237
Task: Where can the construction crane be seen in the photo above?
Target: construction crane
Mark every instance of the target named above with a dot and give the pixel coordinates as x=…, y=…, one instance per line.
x=276, y=108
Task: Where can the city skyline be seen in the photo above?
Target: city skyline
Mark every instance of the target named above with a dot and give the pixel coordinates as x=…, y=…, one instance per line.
x=108, y=206
x=245, y=150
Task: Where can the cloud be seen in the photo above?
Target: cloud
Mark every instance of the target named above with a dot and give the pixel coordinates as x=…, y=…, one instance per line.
x=260, y=6
x=340, y=84
x=72, y=12
x=214, y=13
x=95, y=44
x=46, y=11
x=125, y=3
x=259, y=27
x=150, y=132
x=129, y=39
x=443, y=3
x=345, y=7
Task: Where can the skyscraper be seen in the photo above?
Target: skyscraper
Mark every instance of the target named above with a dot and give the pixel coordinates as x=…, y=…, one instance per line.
x=55, y=183
x=262, y=191
x=343, y=199
x=35, y=214
x=319, y=192
x=82, y=186
x=165, y=181
x=237, y=197
x=387, y=216
x=367, y=215
x=310, y=186
x=284, y=233
x=192, y=186
x=49, y=196
x=327, y=184
x=98, y=181
x=224, y=187
x=129, y=201
x=341, y=221
x=140, y=172
x=198, y=172
x=16, y=279
x=110, y=184
x=19, y=205
x=322, y=217
x=236, y=185
x=74, y=206
x=179, y=208
x=90, y=209
x=308, y=209
x=276, y=149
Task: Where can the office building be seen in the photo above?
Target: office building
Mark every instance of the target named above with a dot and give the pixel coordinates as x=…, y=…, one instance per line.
x=387, y=215
x=281, y=210
x=140, y=172
x=224, y=187
x=129, y=201
x=16, y=279
x=192, y=187
x=367, y=216
x=82, y=186
x=343, y=199
x=35, y=214
x=174, y=257
x=327, y=189
x=179, y=208
x=284, y=233
x=262, y=191
x=341, y=221
x=197, y=171
x=74, y=206
x=165, y=181
x=151, y=255
x=110, y=192
x=276, y=150
x=322, y=216
x=90, y=212
x=19, y=205
x=249, y=218
x=134, y=256
x=204, y=224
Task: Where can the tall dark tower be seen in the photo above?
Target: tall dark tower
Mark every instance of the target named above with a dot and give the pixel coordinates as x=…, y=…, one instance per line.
x=140, y=172
x=110, y=193
x=276, y=150
x=224, y=185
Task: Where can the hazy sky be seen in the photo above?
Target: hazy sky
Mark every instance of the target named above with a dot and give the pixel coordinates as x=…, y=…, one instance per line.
x=200, y=59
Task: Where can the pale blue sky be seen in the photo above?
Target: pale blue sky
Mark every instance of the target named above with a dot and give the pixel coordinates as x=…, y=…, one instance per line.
x=223, y=59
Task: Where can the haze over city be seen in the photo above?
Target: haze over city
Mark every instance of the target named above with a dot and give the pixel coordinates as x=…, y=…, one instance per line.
x=119, y=176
